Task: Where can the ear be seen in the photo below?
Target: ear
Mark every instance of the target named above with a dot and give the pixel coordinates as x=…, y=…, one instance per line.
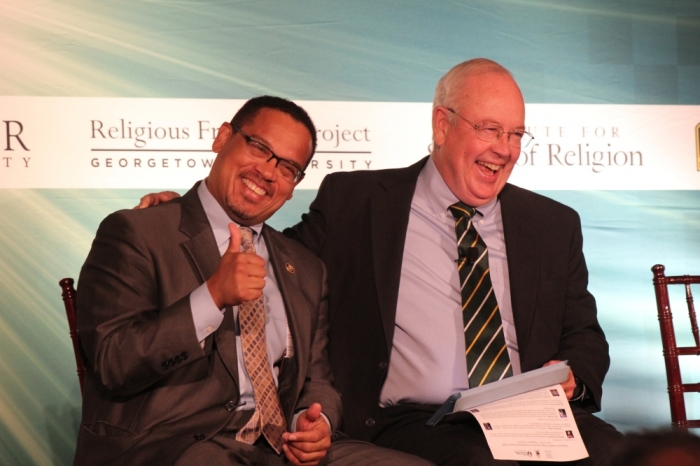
x=295, y=185
x=441, y=125
x=222, y=136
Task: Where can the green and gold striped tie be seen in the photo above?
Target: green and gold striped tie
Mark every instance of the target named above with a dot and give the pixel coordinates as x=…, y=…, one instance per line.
x=487, y=356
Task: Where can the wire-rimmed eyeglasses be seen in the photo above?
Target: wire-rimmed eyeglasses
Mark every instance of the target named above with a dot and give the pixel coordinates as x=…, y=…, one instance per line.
x=490, y=133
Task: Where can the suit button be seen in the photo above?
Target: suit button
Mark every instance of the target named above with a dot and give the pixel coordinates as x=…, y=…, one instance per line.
x=178, y=359
x=184, y=356
x=231, y=405
x=370, y=422
x=383, y=365
x=199, y=437
x=165, y=365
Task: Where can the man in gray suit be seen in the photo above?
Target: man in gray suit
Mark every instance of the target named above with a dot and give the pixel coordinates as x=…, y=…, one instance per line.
x=170, y=379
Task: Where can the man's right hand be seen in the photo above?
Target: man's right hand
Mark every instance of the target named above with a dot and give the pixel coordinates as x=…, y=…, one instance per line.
x=239, y=277
x=156, y=198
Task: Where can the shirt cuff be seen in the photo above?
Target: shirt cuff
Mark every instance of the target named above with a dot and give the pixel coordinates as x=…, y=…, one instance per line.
x=205, y=315
x=580, y=392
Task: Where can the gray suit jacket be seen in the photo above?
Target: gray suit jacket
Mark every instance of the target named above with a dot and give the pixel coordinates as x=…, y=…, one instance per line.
x=151, y=391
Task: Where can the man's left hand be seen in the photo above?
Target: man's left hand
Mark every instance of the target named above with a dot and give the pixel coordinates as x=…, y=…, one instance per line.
x=156, y=198
x=308, y=445
x=570, y=385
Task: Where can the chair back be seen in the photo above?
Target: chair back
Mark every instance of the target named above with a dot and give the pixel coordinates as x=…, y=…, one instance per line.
x=69, y=296
x=676, y=387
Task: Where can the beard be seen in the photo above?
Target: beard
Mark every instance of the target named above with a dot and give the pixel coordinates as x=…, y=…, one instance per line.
x=238, y=212
x=239, y=208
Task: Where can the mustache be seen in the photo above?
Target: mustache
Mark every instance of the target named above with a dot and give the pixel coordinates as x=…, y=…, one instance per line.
x=260, y=181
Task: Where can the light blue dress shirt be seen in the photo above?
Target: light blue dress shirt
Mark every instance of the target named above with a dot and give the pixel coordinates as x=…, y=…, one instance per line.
x=207, y=317
x=428, y=362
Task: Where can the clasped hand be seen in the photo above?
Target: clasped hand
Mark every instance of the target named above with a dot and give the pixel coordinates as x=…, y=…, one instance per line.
x=308, y=445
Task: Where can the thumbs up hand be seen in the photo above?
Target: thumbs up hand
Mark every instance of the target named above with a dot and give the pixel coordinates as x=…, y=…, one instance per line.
x=239, y=277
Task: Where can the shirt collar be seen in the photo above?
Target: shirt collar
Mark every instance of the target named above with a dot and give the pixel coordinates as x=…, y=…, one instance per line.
x=218, y=218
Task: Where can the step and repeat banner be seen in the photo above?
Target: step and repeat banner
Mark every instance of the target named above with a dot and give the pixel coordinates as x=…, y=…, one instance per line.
x=87, y=143
x=103, y=102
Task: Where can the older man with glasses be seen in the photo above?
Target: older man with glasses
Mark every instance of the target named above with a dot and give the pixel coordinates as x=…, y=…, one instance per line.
x=444, y=277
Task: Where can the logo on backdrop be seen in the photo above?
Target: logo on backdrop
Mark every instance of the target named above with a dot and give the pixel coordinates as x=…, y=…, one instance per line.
x=126, y=143
x=342, y=149
x=594, y=148
x=15, y=146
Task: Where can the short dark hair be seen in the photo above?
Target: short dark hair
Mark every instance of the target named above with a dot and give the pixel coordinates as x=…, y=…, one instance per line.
x=250, y=109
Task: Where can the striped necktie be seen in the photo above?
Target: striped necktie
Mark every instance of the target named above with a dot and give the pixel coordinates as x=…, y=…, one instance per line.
x=487, y=356
x=268, y=418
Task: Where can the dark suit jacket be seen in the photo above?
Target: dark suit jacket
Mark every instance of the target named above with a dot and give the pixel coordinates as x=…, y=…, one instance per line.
x=357, y=225
x=151, y=390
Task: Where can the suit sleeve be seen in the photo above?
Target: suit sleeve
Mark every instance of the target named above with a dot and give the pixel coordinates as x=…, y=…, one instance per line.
x=311, y=231
x=318, y=386
x=130, y=341
x=583, y=342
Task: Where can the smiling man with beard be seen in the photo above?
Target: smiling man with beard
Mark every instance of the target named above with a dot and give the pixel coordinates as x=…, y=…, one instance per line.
x=205, y=329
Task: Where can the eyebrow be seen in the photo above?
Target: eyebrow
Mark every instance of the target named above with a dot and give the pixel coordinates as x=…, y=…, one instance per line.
x=285, y=158
x=495, y=123
x=260, y=140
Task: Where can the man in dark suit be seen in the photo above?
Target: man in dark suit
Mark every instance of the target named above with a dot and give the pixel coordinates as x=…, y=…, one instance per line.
x=165, y=304
x=388, y=239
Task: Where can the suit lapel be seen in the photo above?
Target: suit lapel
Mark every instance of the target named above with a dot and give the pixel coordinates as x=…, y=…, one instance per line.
x=391, y=207
x=298, y=317
x=522, y=249
x=204, y=256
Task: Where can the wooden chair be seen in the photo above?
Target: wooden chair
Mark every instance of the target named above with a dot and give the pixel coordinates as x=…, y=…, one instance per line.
x=69, y=296
x=676, y=387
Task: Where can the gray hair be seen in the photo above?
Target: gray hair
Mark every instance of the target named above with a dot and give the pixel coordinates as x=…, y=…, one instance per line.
x=450, y=84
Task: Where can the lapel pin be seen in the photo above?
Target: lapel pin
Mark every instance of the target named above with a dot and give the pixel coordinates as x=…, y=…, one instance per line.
x=290, y=268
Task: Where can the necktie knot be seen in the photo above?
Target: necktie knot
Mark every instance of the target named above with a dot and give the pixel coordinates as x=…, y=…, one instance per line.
x=246, y=239
x=461, y=210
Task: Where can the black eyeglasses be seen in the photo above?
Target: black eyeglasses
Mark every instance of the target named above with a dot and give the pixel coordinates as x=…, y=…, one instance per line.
x=492, y=133
x=289, y=170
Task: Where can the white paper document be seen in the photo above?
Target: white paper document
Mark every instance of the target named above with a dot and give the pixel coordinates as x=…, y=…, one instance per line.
x=525, y=417
x=510, y=386
x=533, y=426
x=515, y=385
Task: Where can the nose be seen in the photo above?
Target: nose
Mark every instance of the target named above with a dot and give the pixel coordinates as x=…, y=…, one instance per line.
x=501, y=146
x=267, y=168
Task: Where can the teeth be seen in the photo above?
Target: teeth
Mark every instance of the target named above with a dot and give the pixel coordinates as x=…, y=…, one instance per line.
x=490, y=166
x=253, y=187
